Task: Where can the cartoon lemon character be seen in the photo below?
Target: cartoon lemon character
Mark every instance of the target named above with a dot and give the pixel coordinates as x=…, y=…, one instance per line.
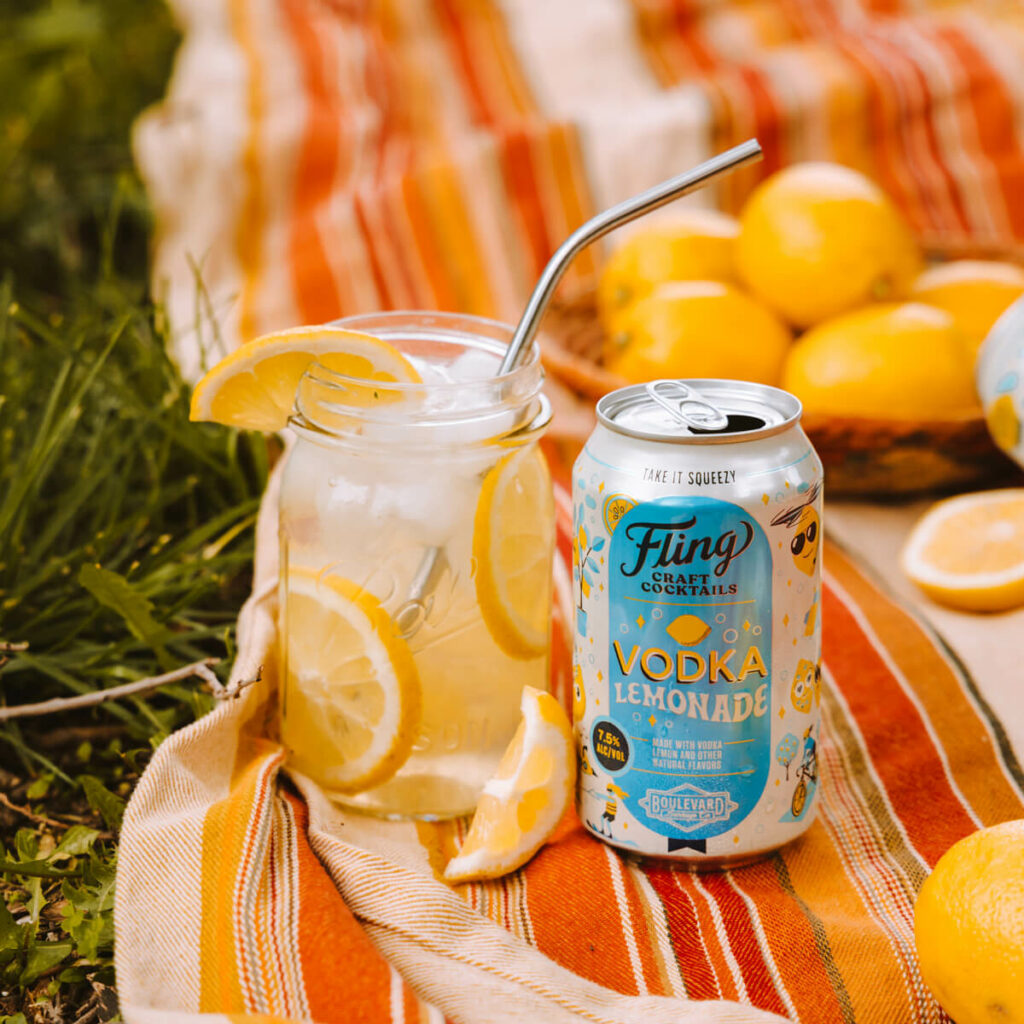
x=803, y=688
x=806, y=522
x=1003, y=424
x=585, y=766
x=579, y=695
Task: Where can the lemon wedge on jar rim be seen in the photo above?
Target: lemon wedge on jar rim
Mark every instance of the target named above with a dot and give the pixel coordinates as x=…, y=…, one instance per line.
x=254, y=387
x=968, y=552
x=525, y=799
x=513, y=534
x=352, y=701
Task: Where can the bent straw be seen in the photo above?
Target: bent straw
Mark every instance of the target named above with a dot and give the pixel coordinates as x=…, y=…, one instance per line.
x=608, y=220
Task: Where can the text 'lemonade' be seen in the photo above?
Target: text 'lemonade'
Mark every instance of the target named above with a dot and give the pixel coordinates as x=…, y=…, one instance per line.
x=697, y=644
x=417, y=531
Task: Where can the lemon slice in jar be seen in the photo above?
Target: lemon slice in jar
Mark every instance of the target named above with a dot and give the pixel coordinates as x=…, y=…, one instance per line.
x=352, y=700
x=527, y=796
x=513, y=534
x=968, y=552
x=254, y=387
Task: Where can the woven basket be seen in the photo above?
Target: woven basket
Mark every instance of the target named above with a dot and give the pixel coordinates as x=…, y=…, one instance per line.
x=862, y=457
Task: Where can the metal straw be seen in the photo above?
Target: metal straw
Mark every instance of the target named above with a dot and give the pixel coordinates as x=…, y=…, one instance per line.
x=608, y=220
x=410, y=616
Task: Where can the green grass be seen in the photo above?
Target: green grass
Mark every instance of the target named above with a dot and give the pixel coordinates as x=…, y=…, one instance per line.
x=98, y=466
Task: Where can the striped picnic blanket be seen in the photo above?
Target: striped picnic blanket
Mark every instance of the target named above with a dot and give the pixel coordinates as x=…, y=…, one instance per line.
x=315, y=158
x=242, y=892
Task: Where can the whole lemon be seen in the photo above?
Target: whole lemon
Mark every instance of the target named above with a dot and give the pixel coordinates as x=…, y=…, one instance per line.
x=974, y=292
x=969, y=927
x=693, y=244
x=905, y=361
x=698, y=329
x=819, y=239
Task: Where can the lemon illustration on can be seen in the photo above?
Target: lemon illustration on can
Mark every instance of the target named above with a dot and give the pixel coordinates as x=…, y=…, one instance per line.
x=615, y=507
x=688, y=630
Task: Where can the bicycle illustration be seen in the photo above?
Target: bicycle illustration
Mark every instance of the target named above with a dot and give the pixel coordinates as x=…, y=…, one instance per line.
x=808, y=770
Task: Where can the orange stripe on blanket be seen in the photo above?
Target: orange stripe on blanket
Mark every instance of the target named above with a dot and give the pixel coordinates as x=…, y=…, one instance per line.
x=945, y=692
x=898, y=171
x=992, y=105
x=684, y=929
x=795, y=942
x=854, y=951
x=573, y=190
x=580, y=929
x=918, y=123
x=727, y=975
x=520, y=182
x=329, y=935
x=430, y=249
x=456, y=238
x=257, y=1018
x=744, y=943
x=251, y=226
x=231, y=832
x=881, y=867
x=894, y=732
x=316, y=291
x=494, y=86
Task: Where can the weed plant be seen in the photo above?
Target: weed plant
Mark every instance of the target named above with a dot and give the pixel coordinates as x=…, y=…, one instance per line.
x=99, y=466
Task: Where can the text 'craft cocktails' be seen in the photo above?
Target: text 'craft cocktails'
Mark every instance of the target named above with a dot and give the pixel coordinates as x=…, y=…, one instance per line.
x=417, y=533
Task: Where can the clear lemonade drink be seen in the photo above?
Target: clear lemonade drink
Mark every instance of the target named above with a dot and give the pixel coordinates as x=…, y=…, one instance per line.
x=417, y=532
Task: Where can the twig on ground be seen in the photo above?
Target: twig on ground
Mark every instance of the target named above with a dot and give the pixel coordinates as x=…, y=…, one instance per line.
x=7, y=647
x=198, y=668
x=39, y=819
x=91, y=1013
x=57, y=739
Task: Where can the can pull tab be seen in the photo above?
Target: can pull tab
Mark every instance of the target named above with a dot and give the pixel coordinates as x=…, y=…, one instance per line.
x=686, y=405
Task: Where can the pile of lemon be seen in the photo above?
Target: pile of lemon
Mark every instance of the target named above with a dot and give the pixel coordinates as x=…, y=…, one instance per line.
x=820, y=254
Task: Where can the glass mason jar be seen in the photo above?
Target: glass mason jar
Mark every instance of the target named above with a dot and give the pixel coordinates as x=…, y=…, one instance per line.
x=417, y=533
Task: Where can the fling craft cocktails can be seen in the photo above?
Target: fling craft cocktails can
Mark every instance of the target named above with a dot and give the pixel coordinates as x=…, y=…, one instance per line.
x=697, y=651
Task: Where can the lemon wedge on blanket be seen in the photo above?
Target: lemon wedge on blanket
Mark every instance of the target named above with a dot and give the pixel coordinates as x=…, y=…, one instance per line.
x=526, y=798
x=513, y=538
x=351, y=704
x=968, y=552
x=254, y=387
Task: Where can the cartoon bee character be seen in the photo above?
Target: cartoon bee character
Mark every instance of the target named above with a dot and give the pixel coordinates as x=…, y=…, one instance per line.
x=585, y=766
x=611, y=807
x=807, y=523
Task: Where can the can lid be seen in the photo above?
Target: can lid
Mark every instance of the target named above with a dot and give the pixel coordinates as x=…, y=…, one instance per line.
x=705, y=411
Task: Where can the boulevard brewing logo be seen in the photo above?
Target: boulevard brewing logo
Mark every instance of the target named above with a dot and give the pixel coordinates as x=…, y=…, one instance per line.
x=688, y=805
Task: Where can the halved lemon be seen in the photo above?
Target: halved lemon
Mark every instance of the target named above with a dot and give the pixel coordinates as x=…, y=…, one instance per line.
x=513, y=538
x=524, y=801
x=968, y=552
x=352, y=700
x=254, y=387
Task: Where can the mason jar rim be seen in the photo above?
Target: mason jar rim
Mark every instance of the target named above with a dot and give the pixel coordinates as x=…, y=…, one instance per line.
x=509, y=400
x=395, y=323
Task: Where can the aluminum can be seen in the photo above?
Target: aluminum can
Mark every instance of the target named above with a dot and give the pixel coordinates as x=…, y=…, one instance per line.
x=999, y=375
x=697, y=646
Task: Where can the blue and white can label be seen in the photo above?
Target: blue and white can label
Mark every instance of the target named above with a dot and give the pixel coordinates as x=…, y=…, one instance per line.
x=697, y=654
